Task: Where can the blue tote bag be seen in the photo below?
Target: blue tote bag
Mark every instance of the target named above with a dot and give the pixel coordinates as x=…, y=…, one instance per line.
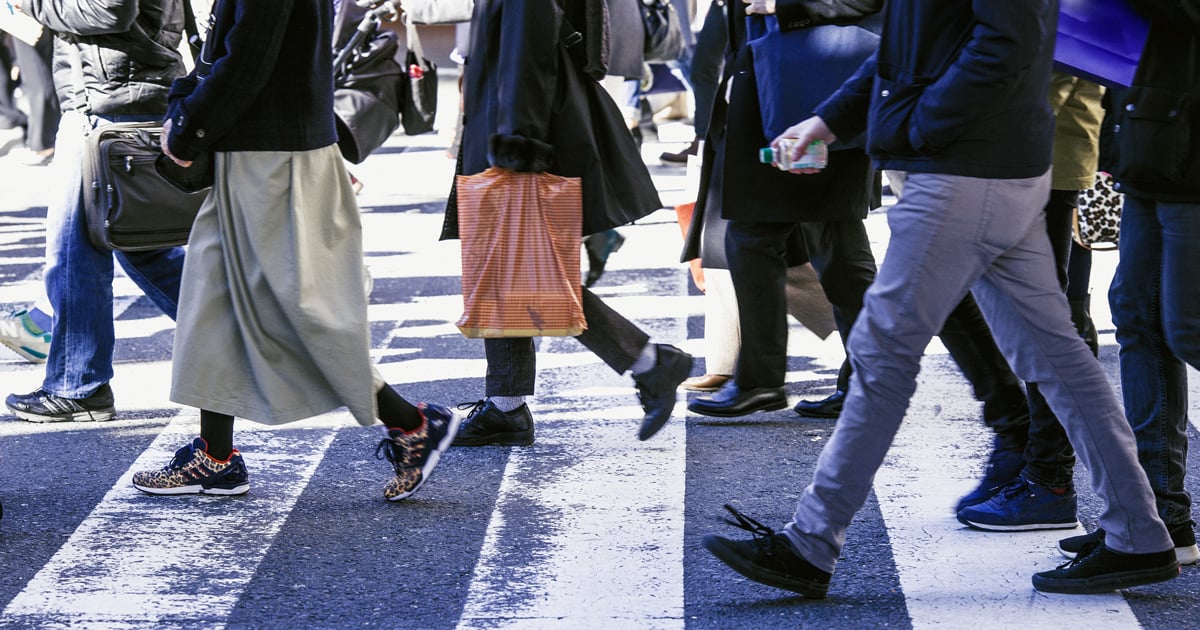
x=1100, y=40
x=796, y=70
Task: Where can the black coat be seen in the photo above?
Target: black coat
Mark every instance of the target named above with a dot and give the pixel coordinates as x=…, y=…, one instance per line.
x=746, y=190
x=529, y=107
x=1157, y=131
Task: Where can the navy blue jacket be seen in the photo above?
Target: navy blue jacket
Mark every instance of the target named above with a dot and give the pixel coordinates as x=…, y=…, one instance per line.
x=270, y=85
x=957, y=87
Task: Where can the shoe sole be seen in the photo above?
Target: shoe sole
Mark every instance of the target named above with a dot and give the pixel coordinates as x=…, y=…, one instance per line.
x=715, y=413
x=807, y=588
x=103, y=415
x=817, y=414
x=27, y=353
x=512, y=438
x=1106, y=583
x=1021, y=527
x=236, y=490
x=1186, y=556
x=434, y=457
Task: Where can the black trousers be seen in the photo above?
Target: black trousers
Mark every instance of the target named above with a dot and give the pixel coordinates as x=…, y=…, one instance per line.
x=841, y=254
x=758, y=260
x=512, y=362
x=38, y=85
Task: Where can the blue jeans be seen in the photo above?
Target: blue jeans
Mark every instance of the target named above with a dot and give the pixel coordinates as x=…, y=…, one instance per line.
x=950, y=234
x=1155, y=302
x=79, y=275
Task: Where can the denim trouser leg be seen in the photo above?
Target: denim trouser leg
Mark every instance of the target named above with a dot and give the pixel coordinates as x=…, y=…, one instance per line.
x=79, y=276
x=1155, y=303
x=512, y=363
x=947, y=234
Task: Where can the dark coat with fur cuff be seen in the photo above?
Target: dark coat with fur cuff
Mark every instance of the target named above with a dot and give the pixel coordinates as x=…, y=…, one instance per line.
x=527, y=106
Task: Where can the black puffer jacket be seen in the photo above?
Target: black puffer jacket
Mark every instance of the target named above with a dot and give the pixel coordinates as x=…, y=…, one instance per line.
x=127, y=51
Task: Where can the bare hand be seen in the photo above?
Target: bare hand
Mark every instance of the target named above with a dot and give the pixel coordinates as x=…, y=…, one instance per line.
x=761, y=7
x=806, y=132
x=166, y=132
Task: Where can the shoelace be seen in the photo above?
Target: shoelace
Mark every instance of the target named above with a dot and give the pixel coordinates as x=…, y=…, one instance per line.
x=475, y=408
x=182, y=456
x=1084, y=553
x=764, y=537
x=386, y=449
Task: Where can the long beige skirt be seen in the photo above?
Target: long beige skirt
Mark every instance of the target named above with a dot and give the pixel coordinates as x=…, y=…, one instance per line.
x=272, y=323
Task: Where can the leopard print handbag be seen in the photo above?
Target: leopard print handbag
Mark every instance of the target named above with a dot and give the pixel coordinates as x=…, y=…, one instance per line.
x=1097, y=223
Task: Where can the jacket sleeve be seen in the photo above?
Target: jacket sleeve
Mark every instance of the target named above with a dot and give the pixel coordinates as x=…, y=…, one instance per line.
x=83, y=17
x=845, y=111
x=1002, y=46
x=528, y=70
x=203, y=111
x=796, y=14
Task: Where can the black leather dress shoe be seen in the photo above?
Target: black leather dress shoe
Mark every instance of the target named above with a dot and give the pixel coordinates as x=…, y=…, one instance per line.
x=830, y=407
x=731, y=401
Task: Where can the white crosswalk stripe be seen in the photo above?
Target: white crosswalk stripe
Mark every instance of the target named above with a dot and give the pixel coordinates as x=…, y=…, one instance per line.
x=588, y=528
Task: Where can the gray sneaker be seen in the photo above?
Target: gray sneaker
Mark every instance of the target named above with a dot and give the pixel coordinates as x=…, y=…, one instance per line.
x=17, y=331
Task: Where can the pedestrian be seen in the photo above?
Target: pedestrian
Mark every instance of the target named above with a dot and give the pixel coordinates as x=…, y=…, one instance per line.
x=768, y=220
x=1042, y=495
x=532, y=104
x=112, y=63
x=1154, y=295
x=273, y=319
x=956, y=97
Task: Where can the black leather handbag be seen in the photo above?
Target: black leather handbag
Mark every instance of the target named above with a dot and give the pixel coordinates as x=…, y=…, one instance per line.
x=136, y=198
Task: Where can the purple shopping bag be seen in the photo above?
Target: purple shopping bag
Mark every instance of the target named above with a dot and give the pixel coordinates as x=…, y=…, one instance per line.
x=1100, y=40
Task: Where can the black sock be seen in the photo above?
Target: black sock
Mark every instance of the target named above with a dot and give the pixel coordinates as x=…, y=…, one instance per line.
x=395, y=412
x=217, y=431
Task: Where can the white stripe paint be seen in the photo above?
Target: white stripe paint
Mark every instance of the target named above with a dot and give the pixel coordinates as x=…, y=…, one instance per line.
x=585, y=534
x=145, y=561
x=588, y=526
x=952, y=576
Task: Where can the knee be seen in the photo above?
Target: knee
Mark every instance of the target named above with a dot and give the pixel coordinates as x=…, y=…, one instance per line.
x=1182, y=336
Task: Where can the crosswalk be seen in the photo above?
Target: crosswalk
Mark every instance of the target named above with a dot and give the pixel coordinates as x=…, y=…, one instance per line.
x=588, y=528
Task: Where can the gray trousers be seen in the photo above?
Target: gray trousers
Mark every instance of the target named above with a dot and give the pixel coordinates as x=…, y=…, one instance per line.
x=950, y=234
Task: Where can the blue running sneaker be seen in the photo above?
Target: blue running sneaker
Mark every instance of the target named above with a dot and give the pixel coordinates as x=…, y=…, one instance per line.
x=415, y=454
x=194, y=471
x=1004, y=464
x=1023, y=505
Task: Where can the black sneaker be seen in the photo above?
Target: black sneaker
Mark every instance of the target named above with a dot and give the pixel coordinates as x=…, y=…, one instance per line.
x=486, y=424
x=42, y=406
x=657, y=387
x=1182, y=536
x=1098, y=569
x=768, y=558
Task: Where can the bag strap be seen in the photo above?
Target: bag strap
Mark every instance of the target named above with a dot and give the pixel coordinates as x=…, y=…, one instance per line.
x=195, y=43
x=414, y=40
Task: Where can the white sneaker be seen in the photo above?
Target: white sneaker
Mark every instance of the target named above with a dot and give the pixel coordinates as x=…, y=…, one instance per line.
x=17, y=331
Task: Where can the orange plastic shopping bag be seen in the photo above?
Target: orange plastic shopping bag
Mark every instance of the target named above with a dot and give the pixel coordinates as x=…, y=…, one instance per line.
x=520, y=237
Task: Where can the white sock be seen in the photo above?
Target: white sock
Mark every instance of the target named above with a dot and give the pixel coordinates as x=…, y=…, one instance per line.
x=646, y=360
x=507, y=403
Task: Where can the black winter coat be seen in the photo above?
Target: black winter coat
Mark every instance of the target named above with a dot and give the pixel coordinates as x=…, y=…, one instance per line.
x=734, y=184
x=129, y=51
x=1157, y=134
x=527, y=106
